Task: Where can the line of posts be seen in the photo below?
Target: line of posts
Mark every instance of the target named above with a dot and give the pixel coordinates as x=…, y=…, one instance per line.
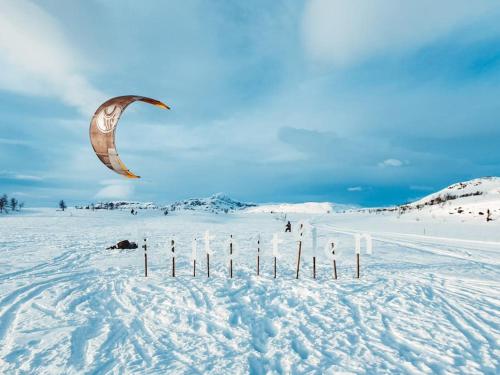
x=275, y=242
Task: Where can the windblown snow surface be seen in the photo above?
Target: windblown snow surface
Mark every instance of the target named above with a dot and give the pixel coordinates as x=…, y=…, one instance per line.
x=427, y=302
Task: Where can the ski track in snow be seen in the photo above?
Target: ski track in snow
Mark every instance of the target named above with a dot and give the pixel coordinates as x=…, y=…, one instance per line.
x=423, y=305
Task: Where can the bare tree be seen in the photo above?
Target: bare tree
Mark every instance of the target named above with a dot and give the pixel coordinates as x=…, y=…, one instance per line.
x=62, y=205
x=4, y=200
x=13, y=203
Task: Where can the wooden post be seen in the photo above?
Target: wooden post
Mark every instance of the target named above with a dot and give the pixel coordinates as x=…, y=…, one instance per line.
x=298, y=258
x=145, y=247
x=274, y=267
x=314, y=235
x=276, y=241
x=208, y=265
x=332, y=244
x=173, y=258
x=231, y=257
x=357, y=265
x=194, y=254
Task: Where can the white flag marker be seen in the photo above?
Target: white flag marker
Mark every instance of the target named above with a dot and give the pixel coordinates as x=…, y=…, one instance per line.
x=194, y=254
x=331, y=252
x=369, y=244
x=194, y=249
x=208, y=249
x=276, y=243
x=314, y=235
x=331, y=249
x=369, y=248
x=357, y=243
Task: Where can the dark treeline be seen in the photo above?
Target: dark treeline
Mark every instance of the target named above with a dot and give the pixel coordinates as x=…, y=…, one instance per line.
x=9, y=204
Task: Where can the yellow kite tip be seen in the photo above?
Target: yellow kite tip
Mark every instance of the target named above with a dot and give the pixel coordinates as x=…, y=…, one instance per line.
x=131, y=175
x=162, y=105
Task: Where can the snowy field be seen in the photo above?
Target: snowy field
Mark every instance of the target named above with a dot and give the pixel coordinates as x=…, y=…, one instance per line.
x=428, y=300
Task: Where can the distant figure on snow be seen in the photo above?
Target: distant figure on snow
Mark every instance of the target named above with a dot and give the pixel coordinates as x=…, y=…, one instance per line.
x=132, y=211
x=288, y=227
x=123, y=245
x=488, y=215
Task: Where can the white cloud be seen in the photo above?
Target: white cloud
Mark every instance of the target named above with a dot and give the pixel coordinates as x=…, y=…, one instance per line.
x=355, y=188
x=36, y=59
x=115, y=189
x=27, y=177
x=344, y=32
x=19, y=176
x=391, y=163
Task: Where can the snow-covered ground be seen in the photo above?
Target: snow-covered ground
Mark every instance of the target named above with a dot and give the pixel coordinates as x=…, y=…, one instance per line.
x=428, y=300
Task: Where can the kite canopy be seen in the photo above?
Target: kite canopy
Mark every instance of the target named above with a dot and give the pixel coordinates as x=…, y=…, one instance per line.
x=103, y=126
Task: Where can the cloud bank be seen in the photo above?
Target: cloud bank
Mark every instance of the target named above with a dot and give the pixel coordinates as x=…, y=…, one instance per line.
x=349, y=32
x=36, y=58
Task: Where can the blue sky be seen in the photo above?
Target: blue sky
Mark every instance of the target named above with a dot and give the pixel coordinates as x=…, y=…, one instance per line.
x=371, y=103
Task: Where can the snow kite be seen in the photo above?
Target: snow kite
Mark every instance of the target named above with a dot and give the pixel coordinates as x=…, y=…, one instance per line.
x=103, y=127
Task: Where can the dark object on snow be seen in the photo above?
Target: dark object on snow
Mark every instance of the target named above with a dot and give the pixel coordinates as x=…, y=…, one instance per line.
x=288, y=227
x=488, y=216
x=123, y=245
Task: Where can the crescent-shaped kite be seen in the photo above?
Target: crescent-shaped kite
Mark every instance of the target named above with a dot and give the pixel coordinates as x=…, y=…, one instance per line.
x=103, y=127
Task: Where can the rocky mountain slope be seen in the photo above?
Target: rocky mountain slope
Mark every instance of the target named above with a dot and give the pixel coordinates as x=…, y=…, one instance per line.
x=479, y=197
x=217, y=203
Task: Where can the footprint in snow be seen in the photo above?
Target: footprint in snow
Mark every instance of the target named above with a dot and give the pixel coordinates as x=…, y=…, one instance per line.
x=299, y=347
x=234, y=319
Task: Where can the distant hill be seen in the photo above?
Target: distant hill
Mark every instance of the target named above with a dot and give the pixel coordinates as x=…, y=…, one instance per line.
x=217, y=203
x=120, y=205
x=221, y=203
x=469, y=198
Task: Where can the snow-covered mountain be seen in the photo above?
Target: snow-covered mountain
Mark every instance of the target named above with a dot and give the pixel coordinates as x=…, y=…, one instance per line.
x=473, y=198
x=306, y=208
x=221, y=203
x=121, y=205
x=217, y=203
